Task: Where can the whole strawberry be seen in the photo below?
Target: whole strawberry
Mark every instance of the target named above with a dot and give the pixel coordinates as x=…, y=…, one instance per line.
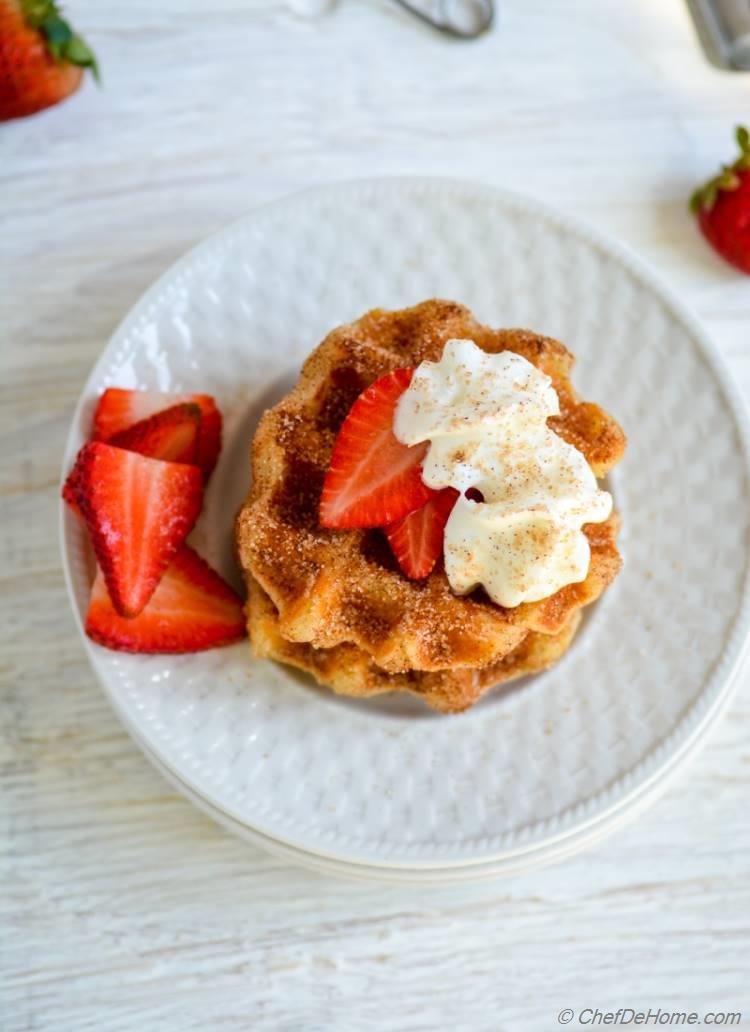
x=723, y=207
x=41, y=58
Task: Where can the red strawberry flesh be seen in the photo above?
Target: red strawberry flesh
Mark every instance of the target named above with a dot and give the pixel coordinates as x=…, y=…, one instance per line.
x=118, y=409
x=171, y=435
x=192, y=609
x=41, y=57
x=209, y=438
x=139, y=512
x=726, y=225
x=69, y=490
x=723, y=207
x=373, y=479
x=417, y=540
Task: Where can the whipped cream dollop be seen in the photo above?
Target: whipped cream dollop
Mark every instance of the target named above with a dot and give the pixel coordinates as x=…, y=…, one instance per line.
x=485, y=417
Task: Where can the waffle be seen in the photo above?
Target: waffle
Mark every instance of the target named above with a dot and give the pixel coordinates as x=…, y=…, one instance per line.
x=348, y=670
x=360, y=625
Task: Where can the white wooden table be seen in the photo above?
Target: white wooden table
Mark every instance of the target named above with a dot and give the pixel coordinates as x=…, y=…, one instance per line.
x=122, y=907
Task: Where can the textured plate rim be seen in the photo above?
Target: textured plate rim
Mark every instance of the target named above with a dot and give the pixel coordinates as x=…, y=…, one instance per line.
x=678, y=744
x=506, y=866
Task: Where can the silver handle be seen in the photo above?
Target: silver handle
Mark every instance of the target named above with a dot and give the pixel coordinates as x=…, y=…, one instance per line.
x=464, y=19
x=724, y=29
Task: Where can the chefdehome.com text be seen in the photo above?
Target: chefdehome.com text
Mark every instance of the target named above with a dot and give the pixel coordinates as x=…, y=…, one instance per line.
x=630, y=1016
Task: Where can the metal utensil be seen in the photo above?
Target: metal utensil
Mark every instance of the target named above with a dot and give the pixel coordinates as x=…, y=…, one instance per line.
x=463, y=19
x=724, y=30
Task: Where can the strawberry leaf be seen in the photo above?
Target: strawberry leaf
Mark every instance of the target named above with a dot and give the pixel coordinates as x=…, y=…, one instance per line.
x=78, y=52
x=58, y=34
x=63, y=44
x=705, y=197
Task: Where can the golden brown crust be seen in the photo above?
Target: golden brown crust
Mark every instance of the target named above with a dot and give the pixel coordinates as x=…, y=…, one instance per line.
x=342, y=589
x=348, y=670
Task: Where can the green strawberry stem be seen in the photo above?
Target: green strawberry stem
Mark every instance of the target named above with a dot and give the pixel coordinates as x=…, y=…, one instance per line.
x=705, y=196
x=64, y=44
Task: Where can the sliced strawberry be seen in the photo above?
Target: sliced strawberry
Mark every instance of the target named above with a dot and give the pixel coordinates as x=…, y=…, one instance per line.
x=373, y=479
x=171, y=435
x=139, y=512
x=118, y=409
x=417, y=539
x=192, y=609
x=69, y=491
x=209, y=438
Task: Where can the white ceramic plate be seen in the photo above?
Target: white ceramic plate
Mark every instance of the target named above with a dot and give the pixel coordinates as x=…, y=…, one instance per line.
x=533, y=769
x=509, y=864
